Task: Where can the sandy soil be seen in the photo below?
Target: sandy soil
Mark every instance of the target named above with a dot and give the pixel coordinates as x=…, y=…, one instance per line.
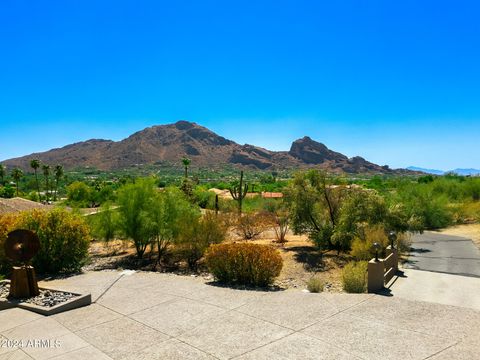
x=301, y=261
x=471, y=231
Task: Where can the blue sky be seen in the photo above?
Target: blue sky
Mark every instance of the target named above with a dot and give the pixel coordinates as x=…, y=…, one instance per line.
x=395, y=82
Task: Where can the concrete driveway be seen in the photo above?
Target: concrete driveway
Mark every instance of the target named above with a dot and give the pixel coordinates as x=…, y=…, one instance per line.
x=159, y=316
x=443, y=269
x=445, y=254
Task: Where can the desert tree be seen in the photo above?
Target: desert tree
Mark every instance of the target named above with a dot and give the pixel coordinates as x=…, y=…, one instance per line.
x=58, y=173
x=35, y=165
x=46, y=175
x=17, y=174
x=3, y=173
x=315, y=207
x=186, y=163
x=135, y=201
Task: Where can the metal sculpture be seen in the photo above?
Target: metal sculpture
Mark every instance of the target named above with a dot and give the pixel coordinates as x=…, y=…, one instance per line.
x=20, y=247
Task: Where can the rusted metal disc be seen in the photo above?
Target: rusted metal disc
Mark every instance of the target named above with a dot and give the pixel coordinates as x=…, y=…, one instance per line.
x=22, y=245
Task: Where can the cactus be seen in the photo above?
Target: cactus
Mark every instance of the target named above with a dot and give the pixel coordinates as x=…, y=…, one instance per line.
x=239, y=192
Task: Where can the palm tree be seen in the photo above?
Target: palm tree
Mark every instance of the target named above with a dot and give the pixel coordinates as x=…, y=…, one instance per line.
x=17, y=175
x=186, y=162
x=3, y=173
x=58, y=175
x=35, y=164
x=46, y=174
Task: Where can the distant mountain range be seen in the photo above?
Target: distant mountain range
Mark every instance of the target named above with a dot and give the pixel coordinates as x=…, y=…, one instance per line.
x=463, y=172
x=163, y=144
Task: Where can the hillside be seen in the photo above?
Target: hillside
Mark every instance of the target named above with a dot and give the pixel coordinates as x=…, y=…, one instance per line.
x=169, y=143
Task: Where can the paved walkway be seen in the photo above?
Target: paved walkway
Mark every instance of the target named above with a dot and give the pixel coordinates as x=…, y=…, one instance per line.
x=159, y=316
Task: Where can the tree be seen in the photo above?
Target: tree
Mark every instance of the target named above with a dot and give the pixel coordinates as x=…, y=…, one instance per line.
x=135, y=202
x=46, y=174
x=186, y=163
x=79, y=194
x=171, y=216
x=3, y=173
x=58, y=172
x=314, y=207
x=17, y=174
x=35, y=164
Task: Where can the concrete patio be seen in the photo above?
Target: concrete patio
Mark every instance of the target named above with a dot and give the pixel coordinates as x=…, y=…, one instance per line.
x=162, y=316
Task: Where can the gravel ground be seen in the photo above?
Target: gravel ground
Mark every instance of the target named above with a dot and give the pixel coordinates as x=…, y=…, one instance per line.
x=47, y=298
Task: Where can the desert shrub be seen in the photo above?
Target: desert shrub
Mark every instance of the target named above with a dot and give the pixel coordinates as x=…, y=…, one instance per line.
x=315, y=285
x=8, y=222
x=79, y=194
x=198, y=235
x=244, y=263
x=362, y=245
x=404, y=242
x=204, y=198
x=7, y=191
x=279, y=218
x=251, y=225
x=354, y=277
x=104, y=224
x=64, y=239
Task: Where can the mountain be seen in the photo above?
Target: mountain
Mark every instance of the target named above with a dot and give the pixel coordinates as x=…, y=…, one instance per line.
x=427, y=171
x=169, y=143
x=463, y=172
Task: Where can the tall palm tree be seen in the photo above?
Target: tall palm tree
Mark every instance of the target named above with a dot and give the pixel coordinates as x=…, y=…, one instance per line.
x=58, y=172
x=17, y=175
x=3, y=173
x=46, y=174
x=35, y=164
x=186, y=163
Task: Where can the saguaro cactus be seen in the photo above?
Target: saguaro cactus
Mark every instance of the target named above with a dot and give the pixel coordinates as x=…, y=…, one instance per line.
x=239, y=192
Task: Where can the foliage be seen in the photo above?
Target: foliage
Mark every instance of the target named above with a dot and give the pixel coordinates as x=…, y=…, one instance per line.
x=362, y=245
x=105, y=223
x=7, y=192
x=170, y=218
x=280, y=218
x=244, y=263
x=333, y=215
x=8, y=222
x=315, y=207
x=315, y=285
x=197, y=236
x=135, y=201
x=64, y=238
x=250, y=225
x=79, y=193
x=354, y=277
x=204, y=198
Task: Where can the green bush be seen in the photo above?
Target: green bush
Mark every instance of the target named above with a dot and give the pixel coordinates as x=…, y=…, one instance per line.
x=362, y=246
x=244, y=263
x=354, y=277
x=315, y=285
x=64, y=239
x=197, y=236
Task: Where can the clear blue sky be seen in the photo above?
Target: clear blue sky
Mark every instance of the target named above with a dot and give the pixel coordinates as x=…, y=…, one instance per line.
x=397, y=82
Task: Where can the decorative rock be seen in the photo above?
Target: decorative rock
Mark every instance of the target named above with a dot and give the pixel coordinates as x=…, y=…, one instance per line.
x=47, y=298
